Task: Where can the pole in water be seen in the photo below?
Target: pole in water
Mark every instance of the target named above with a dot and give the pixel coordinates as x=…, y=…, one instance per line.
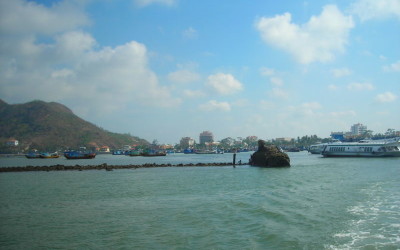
x=234, y=159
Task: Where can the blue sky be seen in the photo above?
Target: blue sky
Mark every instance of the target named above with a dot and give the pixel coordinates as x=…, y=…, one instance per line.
x=166, y=69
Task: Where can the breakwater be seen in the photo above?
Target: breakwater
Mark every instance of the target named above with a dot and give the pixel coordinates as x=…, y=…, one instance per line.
x=107, y=167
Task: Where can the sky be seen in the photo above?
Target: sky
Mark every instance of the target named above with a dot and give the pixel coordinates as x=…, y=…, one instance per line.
x=166, y=69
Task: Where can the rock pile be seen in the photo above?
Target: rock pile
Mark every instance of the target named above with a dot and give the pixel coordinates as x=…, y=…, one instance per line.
x=269, y=156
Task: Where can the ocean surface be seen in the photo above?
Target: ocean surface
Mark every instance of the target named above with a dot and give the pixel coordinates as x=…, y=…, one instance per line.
x=318, y=203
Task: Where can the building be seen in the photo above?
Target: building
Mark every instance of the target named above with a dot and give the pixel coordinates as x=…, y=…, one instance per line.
x=358, y=129
x=12, y=142
x=283, y=139
x=187, y=142
x=104, y=149
x=206, y=137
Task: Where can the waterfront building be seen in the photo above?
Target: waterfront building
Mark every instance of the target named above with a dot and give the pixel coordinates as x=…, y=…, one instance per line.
x=12, y=142
x=206, y=136
x=358, y=129
x=187, y=142
x=283, y=139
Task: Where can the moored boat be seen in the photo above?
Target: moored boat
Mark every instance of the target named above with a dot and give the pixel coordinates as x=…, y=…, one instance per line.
x=317, y=148
x=135, y=153
x=79, y=155
x=49, y=155
x=364, y=148
x=32, y=155
x=153, y=153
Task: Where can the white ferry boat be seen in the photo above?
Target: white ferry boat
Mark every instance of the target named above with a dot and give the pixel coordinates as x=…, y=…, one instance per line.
x=364, y=148
x=318, y=148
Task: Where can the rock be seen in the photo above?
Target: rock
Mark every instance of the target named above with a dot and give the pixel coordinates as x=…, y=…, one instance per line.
x=269, y=156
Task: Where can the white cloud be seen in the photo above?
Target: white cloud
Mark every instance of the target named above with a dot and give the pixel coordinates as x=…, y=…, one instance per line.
x=190, y=33
x=224, y=84
x=319, y=40
x=193, y=93
x=376, y=9
x=267, y=71
x=279, y=93
x=27, y=18
x=183, y=76
x=341, y=72
x=309, y=108
x=143, y=3
x=333, y=87
x=394, y=67
x=276, y=81
x=70, y=67
x=356, y=86
x=386, y=97
x=213, y=105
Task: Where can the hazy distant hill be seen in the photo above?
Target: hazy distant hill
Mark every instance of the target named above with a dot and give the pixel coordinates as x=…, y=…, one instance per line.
x=50, y=125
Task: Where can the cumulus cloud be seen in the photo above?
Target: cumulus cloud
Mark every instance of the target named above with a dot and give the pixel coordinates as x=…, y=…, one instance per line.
x=394, y=67
x=213, y=105
x=70, y=67
x=340, y=72
x=224, y=84
x=318, y=40
x=356, y=86
x=20, y=17
x=386, y=97
x=374, y=9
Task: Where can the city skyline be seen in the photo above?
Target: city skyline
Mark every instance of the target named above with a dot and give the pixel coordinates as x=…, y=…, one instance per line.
x=162, y=69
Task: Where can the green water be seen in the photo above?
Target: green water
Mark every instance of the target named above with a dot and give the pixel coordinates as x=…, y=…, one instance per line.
x=318, y=203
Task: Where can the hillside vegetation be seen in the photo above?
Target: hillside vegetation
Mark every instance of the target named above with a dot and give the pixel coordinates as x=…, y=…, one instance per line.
x=52, y=126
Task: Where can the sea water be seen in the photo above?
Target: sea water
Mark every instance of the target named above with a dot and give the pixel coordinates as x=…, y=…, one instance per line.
x=318, y=203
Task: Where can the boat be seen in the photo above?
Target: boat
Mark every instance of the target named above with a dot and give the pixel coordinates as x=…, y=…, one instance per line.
x=49, y=155
x=32, y=155
x=135, y=153
x=79, y=155
x=364, y=148
x=205, y=152
x=150, y=153
x=317, y=148
x=189, y=151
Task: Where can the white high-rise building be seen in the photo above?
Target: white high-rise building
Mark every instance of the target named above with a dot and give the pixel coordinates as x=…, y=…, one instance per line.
x=358, y=129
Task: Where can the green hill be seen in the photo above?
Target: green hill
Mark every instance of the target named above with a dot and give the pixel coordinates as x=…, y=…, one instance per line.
x=52, y=126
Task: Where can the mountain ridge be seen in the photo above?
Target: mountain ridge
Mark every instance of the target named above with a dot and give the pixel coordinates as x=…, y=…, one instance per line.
x=52, y=126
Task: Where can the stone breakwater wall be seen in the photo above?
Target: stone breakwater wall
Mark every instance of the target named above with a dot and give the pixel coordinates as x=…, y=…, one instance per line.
x=107, y=167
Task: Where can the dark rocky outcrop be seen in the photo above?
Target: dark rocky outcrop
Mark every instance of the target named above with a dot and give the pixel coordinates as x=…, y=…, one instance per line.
x=269, y=156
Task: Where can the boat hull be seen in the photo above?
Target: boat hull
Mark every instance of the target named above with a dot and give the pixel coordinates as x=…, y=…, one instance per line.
x=76, y=156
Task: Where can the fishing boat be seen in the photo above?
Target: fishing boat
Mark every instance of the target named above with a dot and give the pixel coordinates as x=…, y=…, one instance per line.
x=151, y=153
x=364, y=148
x=79, y=155
x=49, y=155
x=135, y=153
x=32, y=155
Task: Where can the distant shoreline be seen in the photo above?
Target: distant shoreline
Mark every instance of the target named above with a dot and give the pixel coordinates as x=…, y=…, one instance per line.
x=107, y=167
